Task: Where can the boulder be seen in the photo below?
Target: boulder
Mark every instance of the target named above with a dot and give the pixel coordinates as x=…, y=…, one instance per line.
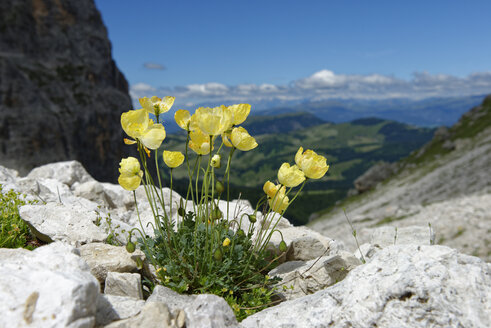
x=65, y=172
x=48, y=287
x=172, y=299
x=209, y=311
x=71, y=224
x=124, y=284
x=152, y=315
x=402, y=286
x=300, y=278
x=111, y=308
x=304, y=243
x=104, y=258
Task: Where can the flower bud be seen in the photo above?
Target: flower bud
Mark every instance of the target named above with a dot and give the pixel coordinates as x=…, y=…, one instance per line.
x=283, y=246
x=219, y=187
x=215, y=161
x=226, y=242
x=252, y=218
x=218, y=254
x=216, y=214
x=181, y=211
x=130, y=247
x=240, y=233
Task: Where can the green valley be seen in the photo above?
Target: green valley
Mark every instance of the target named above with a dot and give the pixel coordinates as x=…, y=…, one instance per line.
x=350, y=149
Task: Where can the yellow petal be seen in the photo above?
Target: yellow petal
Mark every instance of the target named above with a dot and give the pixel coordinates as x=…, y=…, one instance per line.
x=273, y=190
x=183, y=119
x=173, y=159
x=129, y=182
x=242, y=140
x=129, y=166
x=239, y=113
x=200, y=142
x=214, y=121
x=278, y=204
x=313, y=165
x=290, y=176
x=226, y=139
x=153, y=136
x=130, y=173
x=166, y=104
x=135, y=122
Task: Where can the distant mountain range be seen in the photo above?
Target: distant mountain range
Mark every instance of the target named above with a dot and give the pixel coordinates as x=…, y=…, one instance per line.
x=428, y=112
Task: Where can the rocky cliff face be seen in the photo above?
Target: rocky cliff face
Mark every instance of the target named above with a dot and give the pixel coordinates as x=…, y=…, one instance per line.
x=61, y=94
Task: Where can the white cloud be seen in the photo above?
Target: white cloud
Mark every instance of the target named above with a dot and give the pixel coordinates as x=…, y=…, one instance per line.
x=326, y=84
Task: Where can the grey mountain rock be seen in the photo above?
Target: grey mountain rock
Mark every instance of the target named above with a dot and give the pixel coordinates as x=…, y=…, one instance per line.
x=61, y=94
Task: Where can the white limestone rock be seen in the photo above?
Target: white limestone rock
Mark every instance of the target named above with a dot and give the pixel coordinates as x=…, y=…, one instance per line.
x=8, y=175
x=103, y=258
x=152, y=315
x=109, y=195
x=402, y=286
x=415, y=235
x=172, y=299
x=48, y=287
x=71, y=224
x=111, y=308
x=304, y=244
x=124, y=284
x=301, y=278
x=66, y=172
x=366, y=251
x=209, y=311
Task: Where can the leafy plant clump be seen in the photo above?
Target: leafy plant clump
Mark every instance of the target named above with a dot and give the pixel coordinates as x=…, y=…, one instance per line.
x=208, y=250
x=14, y=232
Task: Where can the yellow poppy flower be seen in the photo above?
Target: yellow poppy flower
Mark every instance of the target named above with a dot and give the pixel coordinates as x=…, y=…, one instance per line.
x=139, y=126
x=239, y=113
x=242, y=140
x=290, y=176
x=271, y=189
x=200, y=142
x=226, y=242
x=314, y=166
x=157, y=106
x=214, y=121
x=173, y=159
x=183, y=118
x=130, y=173
x=279, y=203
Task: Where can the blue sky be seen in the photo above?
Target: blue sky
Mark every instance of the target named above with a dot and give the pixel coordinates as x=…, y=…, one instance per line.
x=300, y=50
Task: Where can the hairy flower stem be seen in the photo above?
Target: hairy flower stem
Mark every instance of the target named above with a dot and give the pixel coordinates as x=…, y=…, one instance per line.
x=160, y=182
x=227, y=172
x=170, y=205
x=190, y=186
x=268, y=238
